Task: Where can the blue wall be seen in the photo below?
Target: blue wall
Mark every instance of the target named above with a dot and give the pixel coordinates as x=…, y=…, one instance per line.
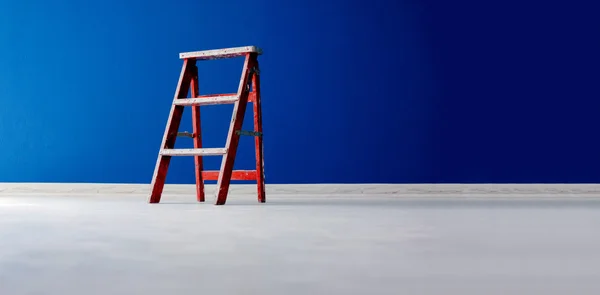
x=354, y=91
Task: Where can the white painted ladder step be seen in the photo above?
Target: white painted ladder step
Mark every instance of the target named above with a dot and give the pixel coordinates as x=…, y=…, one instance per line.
x=220, y=53
x=194, y=152
x=206, y=100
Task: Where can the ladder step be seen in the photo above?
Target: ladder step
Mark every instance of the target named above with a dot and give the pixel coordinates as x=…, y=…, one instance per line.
x=235, y=175
x=220, y=53
x=194, y=152
x=206, y=100
x=251, y=96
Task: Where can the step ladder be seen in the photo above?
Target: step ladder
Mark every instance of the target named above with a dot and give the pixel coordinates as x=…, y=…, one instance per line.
x=248, y=91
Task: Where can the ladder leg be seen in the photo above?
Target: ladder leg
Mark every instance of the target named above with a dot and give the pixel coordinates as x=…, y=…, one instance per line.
x=198, y=166
x=258, y=140
x=170, y=135
x=239, y=109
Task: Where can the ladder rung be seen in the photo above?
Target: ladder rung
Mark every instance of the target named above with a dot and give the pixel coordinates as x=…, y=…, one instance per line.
x=220, y=53
x=235, y=175
x=194, y=152
x=251, y=95
x=206, y=100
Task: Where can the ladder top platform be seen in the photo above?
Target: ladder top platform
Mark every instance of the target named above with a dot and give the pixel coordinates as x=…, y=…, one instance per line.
x=220, y=53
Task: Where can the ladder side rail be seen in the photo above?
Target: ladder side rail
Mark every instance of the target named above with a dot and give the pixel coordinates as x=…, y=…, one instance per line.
x=170, y=134
x=239, y=109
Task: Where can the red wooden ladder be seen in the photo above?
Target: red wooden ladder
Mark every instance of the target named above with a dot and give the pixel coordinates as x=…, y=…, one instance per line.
x=248, y=91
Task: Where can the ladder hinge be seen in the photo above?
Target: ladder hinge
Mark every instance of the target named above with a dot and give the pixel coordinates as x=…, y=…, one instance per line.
x=248, y=133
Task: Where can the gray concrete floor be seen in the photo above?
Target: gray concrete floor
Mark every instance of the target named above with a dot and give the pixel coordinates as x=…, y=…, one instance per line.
x=118, y=244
